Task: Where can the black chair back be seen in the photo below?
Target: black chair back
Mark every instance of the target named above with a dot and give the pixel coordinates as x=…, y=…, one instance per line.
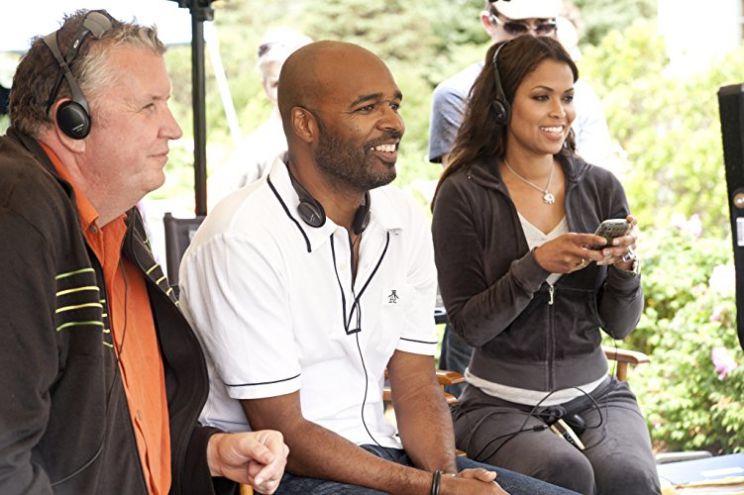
x=178, y=235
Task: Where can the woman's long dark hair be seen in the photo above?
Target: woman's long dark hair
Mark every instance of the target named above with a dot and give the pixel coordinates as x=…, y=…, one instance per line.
x=481, y=137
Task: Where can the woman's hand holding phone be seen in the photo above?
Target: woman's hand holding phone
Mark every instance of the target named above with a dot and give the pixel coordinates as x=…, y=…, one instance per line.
x=568, y=252
x=620, y=249
x=612, y=243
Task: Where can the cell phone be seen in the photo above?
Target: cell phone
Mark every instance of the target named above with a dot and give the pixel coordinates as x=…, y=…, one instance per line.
x=562, y=429
x=611, y=228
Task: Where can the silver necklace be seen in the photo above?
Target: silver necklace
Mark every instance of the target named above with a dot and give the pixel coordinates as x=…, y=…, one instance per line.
x=548, y=197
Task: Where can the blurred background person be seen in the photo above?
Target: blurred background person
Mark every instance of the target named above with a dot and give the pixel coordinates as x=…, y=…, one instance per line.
x=252, y=157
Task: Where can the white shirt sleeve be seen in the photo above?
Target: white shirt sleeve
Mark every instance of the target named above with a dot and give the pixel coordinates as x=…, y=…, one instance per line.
x=419, y=334
x=233, y=293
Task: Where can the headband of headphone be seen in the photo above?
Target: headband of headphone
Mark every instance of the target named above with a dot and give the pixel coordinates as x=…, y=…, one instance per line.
x=500, y=105
x=73, y=117
x=312, y=213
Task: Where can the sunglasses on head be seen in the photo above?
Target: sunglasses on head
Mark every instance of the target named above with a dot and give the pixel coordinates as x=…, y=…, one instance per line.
x=542, y=27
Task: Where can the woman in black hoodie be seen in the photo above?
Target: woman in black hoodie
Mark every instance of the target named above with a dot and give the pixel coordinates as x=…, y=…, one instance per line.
x=528, y=285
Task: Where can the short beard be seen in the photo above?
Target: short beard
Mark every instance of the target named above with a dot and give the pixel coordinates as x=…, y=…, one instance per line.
x=348, y=164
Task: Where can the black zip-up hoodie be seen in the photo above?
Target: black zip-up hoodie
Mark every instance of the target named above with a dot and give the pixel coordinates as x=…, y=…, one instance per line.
x=527, y=333
x=64, y=421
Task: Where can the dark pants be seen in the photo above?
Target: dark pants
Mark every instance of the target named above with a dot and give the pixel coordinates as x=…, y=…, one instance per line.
x=515, y=484
x=617, y=459
x=455, y=356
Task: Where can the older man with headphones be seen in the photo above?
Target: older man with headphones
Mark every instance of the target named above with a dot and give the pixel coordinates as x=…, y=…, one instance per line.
x=102, y=378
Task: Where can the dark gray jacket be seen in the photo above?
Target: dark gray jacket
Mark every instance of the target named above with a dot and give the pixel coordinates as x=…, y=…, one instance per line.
x=526, y=333
x=65, y=426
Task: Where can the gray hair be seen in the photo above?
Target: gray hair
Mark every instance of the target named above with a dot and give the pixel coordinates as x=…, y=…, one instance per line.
x=38, y=71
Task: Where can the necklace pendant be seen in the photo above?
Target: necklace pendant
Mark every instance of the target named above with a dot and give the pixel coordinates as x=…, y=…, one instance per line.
x=548, y=198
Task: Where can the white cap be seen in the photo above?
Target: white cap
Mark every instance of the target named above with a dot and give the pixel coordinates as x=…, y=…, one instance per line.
x=528, y=9
x=280, y=42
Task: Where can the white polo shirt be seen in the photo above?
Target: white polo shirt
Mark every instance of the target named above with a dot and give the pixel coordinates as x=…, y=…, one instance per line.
x=272, y=302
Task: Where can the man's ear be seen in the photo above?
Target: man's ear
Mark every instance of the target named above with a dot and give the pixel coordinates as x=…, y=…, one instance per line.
x=485, y=18
x=74, y=145
x=304, y=124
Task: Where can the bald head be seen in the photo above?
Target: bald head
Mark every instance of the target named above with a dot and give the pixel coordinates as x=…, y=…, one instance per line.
x=339, y=106
x=313, y=75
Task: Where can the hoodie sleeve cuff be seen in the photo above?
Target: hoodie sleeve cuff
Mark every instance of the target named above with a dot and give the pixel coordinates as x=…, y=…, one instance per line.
x=528, y=273
x=623, y=280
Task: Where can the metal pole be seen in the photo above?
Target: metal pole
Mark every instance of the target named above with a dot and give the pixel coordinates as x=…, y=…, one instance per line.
x=200, y=11
x=200, y=117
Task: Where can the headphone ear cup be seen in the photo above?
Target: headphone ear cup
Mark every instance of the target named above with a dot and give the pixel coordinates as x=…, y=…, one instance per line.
x=501, y=111
x=361, y=216
x=577, y=423
x=500, y=104
x=73, y=120
x=311, y=213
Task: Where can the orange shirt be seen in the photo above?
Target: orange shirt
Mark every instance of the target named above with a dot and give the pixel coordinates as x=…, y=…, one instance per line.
x=135, y=338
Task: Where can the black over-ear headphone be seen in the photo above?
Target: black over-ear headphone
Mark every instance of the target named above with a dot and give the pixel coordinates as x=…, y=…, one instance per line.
x=312, y=213
x=73, y=117
x=501, y=107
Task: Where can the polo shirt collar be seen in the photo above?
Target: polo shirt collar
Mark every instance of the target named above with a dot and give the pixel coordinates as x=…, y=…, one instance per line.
x=382, y=215
x=383, y=212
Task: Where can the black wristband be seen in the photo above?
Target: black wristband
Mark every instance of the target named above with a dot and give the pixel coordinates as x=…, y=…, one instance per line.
x=436, y=480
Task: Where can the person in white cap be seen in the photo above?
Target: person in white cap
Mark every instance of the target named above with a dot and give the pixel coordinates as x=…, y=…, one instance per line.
x=504, y=20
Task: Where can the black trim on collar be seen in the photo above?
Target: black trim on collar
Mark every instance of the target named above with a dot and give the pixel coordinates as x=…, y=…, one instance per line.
x=286, y=210
x=356, y=304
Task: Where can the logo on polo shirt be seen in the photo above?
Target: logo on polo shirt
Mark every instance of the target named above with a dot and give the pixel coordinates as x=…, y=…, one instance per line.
x=393, y=297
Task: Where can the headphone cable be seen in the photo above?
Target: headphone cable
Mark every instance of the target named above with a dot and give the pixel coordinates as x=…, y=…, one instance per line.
x=532, y=414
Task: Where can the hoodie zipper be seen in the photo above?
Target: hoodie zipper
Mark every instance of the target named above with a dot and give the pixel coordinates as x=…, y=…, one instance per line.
x=550, y=344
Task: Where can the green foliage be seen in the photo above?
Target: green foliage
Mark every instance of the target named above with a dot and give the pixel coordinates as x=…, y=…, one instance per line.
x=396, y=29
x=668, y=126
x=416, y=101
x=603, y=16
x=690, y=310
x=384, y=26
